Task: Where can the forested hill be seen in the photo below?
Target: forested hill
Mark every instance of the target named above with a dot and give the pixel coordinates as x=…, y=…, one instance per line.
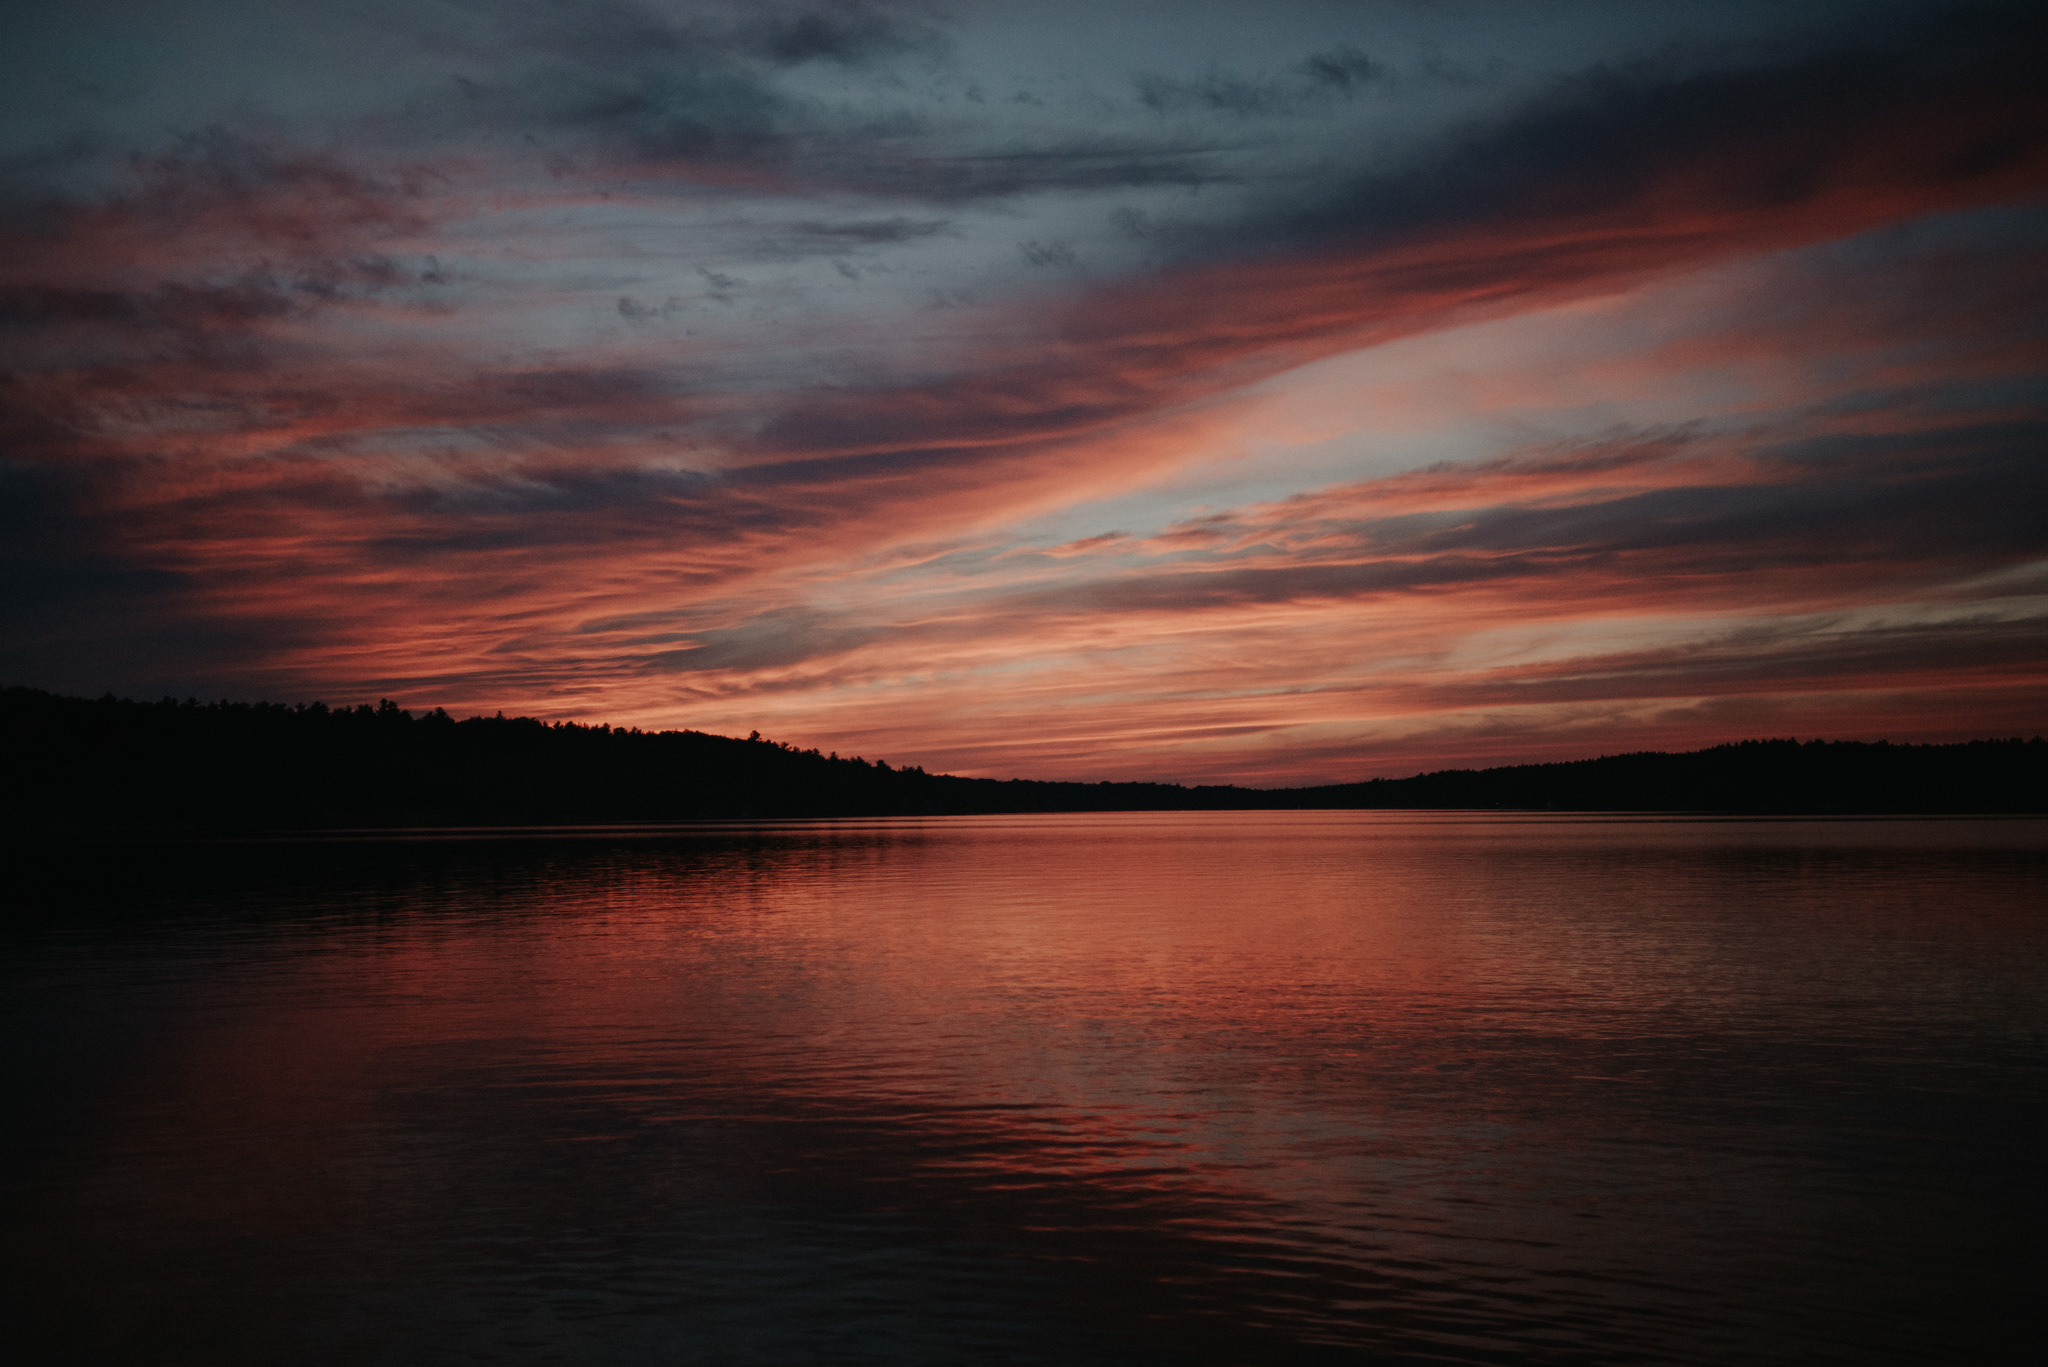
x=110, y=763
x=79, y=762
x=1756, y=776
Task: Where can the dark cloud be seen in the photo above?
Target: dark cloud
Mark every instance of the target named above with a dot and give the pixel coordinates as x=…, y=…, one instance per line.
x=595, y=93
x=948, y=418
x=1342, y=68
x=1216, y=91
x=220, y=178
x=636, y=311
x=628, y=85
x=772, y=640
x=874, y=231
x=1858, y=512
x=204, y=252
x=608, y=33
x=203, y=308
x=671, y=113
x=1338, y=72
x=948, y=177
x=847, y=34
x=1053, y=253
x=1945, y=105
x=616, y=91
x=540, y=506
x=217, y=179
x=572, y=390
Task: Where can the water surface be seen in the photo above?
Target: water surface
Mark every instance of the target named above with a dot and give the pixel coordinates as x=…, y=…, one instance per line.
x=1192, y=1088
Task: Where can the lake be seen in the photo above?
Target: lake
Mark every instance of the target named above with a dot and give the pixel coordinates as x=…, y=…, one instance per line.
x=1103, y=1088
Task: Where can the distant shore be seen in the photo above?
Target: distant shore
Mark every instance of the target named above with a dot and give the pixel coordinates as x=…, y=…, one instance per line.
x=79, y=764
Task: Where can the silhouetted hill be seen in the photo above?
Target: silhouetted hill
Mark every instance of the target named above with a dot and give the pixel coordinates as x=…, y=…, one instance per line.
x=1758, y=776
x=111, y=763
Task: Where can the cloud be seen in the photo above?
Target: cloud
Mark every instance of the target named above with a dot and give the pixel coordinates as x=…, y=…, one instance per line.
x=1342, y=68
x=848, y=34
x=766, y=642
x=1940, y=112
x=1335, y=73
x=1825, y=514
x=662, y=407
x=872, y=231
x=604, y=33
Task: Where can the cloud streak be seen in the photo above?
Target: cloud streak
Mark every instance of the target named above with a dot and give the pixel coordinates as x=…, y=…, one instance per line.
x=770, y=368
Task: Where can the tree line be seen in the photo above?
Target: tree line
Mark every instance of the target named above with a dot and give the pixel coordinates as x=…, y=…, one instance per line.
x=115, y=763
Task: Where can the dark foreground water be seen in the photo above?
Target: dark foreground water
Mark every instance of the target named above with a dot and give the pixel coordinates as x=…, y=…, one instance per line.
x=1217, y=1088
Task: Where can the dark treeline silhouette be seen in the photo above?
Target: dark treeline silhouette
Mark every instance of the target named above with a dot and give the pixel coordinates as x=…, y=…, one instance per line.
x=112, y=763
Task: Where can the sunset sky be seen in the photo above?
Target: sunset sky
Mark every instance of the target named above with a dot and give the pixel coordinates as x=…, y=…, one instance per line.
x=1257, y=392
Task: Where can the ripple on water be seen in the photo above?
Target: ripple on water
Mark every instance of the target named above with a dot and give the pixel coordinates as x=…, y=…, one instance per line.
x=1204, y=1088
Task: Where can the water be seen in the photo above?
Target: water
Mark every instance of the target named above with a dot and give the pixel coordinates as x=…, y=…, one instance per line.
x=1209, y=1088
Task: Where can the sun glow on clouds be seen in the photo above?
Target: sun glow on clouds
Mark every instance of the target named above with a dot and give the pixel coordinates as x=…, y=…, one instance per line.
x=825, y=372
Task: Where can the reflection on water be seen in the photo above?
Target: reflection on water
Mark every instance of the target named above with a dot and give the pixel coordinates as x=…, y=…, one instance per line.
x=1209, y=1088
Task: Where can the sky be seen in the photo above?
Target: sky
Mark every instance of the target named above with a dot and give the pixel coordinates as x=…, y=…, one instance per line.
x=1280, y=392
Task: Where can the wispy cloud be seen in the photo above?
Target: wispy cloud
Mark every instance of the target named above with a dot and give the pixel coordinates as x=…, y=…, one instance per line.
x=771, y=366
